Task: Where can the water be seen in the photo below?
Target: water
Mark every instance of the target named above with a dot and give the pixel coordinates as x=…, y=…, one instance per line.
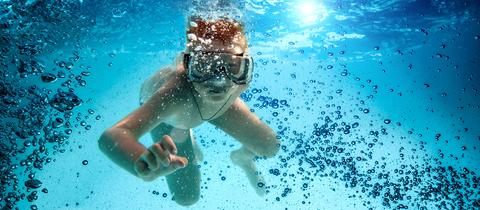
x=376, y=103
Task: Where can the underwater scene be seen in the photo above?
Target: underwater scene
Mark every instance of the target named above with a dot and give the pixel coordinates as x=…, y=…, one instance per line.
x=373, y=104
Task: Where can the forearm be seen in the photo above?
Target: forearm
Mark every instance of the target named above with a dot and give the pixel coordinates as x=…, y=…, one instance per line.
x=122, y=147
x=260, y=139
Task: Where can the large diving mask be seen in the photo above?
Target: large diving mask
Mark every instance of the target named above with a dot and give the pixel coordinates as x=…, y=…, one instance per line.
x=202, y=66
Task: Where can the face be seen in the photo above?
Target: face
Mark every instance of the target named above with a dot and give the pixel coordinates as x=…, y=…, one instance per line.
x=219, y=88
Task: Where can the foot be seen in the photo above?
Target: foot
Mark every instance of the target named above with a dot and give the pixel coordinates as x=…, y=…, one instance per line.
x=244, y=159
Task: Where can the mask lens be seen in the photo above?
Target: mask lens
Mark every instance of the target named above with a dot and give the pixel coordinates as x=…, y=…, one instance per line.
x=236, y=67
x=200, y=66
x=242, y=69
x=203, y=66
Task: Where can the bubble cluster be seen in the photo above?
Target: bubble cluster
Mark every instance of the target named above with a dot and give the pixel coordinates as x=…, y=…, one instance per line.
x=330, y=151
x=37, y=115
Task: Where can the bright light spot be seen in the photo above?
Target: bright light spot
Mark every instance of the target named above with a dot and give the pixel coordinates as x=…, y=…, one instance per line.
x=310, y=11
x=306, y=8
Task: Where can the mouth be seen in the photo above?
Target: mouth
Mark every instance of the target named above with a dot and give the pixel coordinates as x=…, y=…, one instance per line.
x=216, y=91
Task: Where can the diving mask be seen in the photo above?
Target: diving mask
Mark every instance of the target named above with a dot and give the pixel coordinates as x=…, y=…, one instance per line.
x=202, y=66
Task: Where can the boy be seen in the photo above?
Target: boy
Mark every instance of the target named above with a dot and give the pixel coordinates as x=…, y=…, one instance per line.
x=203, y=85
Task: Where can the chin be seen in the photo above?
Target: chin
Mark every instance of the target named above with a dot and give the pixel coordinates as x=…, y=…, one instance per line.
x=217, y=97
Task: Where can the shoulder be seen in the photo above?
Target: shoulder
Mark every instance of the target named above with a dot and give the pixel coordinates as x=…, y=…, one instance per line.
x=176, y=88
x=167, y=72
x=169, y=86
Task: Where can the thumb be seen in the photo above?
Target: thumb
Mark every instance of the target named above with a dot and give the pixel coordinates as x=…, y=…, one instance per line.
x=178, y=162
x=140, y=167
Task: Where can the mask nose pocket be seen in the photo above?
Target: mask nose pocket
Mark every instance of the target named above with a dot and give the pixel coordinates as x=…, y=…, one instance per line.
x=220, y=68
x=218, y=81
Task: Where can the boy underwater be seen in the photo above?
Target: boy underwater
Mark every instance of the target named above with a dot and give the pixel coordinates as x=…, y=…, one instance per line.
x=204, y=84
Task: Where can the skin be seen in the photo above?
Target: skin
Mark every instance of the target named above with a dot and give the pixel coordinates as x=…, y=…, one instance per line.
x=171, y=112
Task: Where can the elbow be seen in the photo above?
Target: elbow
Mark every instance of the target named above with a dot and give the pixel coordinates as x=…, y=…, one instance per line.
x=271, y=149
x=107, y=140
x=104, y=140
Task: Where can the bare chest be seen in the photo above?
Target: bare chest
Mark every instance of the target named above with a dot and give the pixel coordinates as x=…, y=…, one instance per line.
x=190, y=114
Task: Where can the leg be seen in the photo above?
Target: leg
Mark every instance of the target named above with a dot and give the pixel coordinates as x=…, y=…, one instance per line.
x=184, y=184
x=244, y=158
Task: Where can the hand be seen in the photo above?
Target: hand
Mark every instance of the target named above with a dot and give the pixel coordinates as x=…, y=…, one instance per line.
x=160, y=159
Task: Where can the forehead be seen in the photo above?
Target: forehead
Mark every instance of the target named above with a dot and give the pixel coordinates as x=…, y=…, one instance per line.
x=217, y=46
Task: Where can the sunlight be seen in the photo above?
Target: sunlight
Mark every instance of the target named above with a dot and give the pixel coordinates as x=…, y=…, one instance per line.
x=310, y=11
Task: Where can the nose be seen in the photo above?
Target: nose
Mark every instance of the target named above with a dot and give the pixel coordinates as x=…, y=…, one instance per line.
x=219, y=80
x=219, y=83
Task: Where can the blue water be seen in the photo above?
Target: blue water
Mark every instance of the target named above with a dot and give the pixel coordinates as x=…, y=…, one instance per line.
x=376, y=103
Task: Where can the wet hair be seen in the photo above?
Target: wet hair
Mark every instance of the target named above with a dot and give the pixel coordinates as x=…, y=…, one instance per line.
x=226, y=30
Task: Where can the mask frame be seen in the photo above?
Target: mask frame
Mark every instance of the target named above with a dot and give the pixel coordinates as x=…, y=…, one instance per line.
x=210, y=64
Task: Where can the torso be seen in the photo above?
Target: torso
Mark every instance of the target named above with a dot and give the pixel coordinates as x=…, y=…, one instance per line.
x=186, y=113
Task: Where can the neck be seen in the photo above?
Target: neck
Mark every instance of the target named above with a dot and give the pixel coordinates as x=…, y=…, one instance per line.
x=197, y=98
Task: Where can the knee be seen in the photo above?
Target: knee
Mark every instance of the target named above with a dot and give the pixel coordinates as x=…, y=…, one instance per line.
x=186, y=200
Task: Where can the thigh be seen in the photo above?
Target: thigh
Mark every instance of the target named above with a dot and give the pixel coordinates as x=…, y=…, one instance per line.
x=184, y=184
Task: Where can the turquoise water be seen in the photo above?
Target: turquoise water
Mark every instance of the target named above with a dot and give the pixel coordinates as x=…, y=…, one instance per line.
x=376, y=103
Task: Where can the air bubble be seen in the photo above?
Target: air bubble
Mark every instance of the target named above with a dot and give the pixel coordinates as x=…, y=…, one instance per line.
x=33, y=183
x=48, y=77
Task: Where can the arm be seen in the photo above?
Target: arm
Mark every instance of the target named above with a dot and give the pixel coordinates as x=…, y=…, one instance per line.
x=120, y=142
x=121, y=146
x=248, y=129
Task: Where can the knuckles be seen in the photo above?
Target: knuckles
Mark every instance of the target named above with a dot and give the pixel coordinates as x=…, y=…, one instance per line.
x=156, y=148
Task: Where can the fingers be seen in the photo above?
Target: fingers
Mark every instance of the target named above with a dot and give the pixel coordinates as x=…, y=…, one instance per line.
x=161, y=151
x=149, y=158
x=178, y=162
x=161, y=155
x=146, y=174
x=167, y=143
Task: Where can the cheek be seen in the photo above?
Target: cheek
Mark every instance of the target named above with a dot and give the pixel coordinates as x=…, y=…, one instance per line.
x=239, y=88
x=199, y=88
x=242, y=88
